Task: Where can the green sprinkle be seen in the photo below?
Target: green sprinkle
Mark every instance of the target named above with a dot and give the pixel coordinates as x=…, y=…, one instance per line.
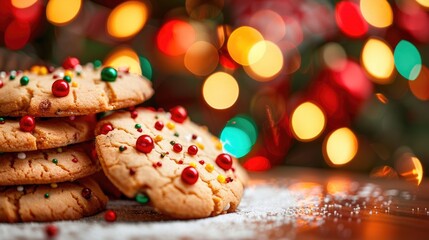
x=78, y=73
x=67, y=79
x=163, y=154
x=172, y=143
x=1, y=119
x=122, y=148
x=24, y=80
x=176, y=134
x=142, y=198
x=97, y=64
x=12, y=77
x=46, y=195
x=138, y=125
x=55, y=161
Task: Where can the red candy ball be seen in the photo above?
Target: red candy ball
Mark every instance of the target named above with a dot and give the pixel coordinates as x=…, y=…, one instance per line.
x=110, y=216
x=144, y=144
x=27, y=123
x=192, y=150
x=106, y=128
x=134, y=114
x=177, y=147
x=60, y=88
x=190, y=175
x=224, y=161
x=178, y=114
x=1, y=84
x=159, y=125
x=70, y=63
x=51, y=230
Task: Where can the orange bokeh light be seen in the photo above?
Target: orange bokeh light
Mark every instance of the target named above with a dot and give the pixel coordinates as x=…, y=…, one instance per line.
x=175, y=37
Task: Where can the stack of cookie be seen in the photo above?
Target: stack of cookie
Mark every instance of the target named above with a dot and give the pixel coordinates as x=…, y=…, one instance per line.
x=46, y=137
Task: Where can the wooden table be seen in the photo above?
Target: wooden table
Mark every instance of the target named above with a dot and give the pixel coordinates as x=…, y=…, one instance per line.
x=285, y=203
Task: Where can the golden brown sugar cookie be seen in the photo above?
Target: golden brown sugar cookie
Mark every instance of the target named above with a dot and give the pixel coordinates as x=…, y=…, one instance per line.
x=29, y=134
x=168, y=159
x=54, y=202
x=48, y=166
x=69, y=92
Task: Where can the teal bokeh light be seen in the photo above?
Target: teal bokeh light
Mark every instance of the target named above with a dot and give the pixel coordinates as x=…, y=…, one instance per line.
x=408, y=61
x=239, y=135
x=146, y=67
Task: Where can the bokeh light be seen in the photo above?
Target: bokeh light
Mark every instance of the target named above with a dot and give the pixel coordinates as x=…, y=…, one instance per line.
x=23, y=3
x=334, y=56
x=424, y=3
x=266, y=61
x=384, y=172
x=17, y=35
x=340, y=147
x=124, y=57
x=239, y=135
x=127, y=19
x=408, y=61
x=269, y=23
x=378, y=13
x=201, y=58
x=257, y=163
x=241, y=42
x=420, y=86
x=307, y=121
x=383, y=99
x=409, y=167
x=146, y=67
x=220, y=90
x=61, y=12
x=377, y=59
x=352, y=78
x=349, y=19
x=175, y=37
x=204, y=9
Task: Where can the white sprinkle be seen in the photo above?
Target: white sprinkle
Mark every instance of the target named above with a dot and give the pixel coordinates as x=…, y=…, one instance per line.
x=21, y=155
x=2, y=74
x=20, y=188
x=78, y=68
x=227, y=207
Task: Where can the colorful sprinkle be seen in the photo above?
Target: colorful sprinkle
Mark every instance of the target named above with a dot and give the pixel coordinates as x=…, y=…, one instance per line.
x=43, y=70
x=180, y=162
x=122, y=148
x=109, y=74
x=54, y=185
x=46, y=195
x=192, y=164
x=144, y=144
x=177, y=147
x=106, y=128
x=97, y=64
x=68, y=73
x=138, y=125
x=172, y=143
x=171, y=125
x=163, y=154
x=224, y=161
x=60, y=88
x=158, y=138
x=228, y=179
x=194, y=136
x=200, y=145
x=201, y=162
x=21, y=155
x=192, y=150
x=20, y=188
x=178, y=114
x=2, y=121
x=70, y=63
x=24, y=80
x=75, y=160
x=51, y=231
x=159, y=125
x=86, y=193
x=134, y=114
x=55, y=161
x=27, y=123
x=75, y=84
x=159, y=164
x=219, y=146
x=110, y=216
x=1, y=84
x=142, y=198
x=190, y=175
x=12, y=77
x=139, y=130
x=221, y=178
x=176, y=134
x=209, y=167
x=67, y=78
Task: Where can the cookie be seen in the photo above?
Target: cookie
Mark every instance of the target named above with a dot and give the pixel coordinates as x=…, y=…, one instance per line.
x=90, y=90
x=47, y=166
x=170, y=160
x=16, y=135
x=45, y=203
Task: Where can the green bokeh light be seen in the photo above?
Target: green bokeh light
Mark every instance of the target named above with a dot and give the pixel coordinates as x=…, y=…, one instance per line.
x=146, y=67
x=408, y=61
x=239, y=135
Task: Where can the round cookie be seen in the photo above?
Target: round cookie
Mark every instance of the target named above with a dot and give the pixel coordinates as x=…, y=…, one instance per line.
x=50, y=133
x=47, y=95
x=45, y=203
x=179, y=182
x=48, y=166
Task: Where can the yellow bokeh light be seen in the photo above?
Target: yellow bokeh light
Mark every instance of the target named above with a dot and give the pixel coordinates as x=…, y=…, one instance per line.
x=340, y=147
x=61, y=12
x=378, y=13
x=424, y=3
x=127, y=19
x=268, y=66
x=124, y=57
x=377, y=59
x=23, y=3
x=308, y=121
x=409, y=168
x=201, y=58
x=241, y=42
x=220, y=90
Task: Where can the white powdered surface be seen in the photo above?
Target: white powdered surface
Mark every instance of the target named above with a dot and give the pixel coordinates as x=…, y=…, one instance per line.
x=263, y=209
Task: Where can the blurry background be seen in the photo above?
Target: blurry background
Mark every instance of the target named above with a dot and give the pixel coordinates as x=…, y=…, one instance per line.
x=316, y=83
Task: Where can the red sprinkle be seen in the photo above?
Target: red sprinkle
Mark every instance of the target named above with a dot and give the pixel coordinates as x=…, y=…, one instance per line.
x=154, y=165
x=224, y=161
x=180, y=161
x=75, y=160
x=178, y=114
x=134, y=114
x=194, y=136
x=192, y=150
x=228, y=179
x=27, y=123
x=70, y=63
x=177, y=147
x=139, y=130
x=159, y=125
x=51, y=230
x=201, y=162
x=190, y=175
x=86, y=193
x=106, y=128
x=159, y=164
x=110, y=216
x=1, y=84
x=144, y=144
x=60, y=88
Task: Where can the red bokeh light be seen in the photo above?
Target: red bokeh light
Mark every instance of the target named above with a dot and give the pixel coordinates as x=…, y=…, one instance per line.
x=257, y=163
x=349, y=19
x=17, y=34
x=175, y=37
